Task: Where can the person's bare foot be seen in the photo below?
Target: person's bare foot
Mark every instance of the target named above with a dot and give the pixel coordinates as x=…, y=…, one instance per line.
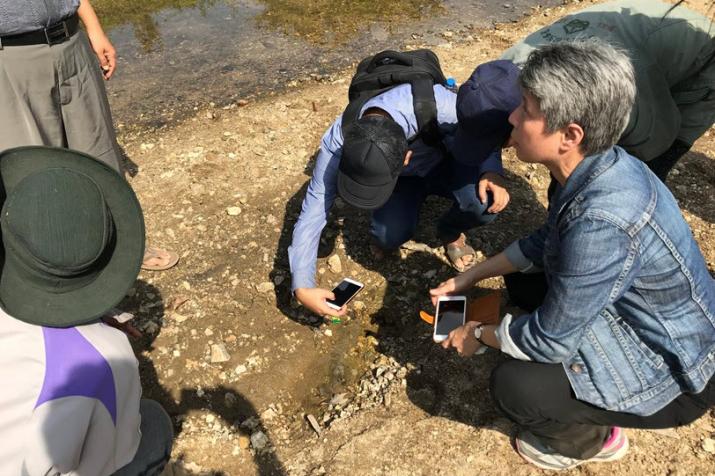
x=158, y=259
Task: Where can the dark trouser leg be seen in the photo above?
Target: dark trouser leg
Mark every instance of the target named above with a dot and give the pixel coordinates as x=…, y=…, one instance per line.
x=526, y=290
x=538, y=397
x=458, y=183
x=467, y=212
x=155, y=446
x=396, y=221
x=663, y=164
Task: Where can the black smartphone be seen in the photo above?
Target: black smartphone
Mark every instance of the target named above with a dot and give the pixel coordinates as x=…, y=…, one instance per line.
x=344, y=292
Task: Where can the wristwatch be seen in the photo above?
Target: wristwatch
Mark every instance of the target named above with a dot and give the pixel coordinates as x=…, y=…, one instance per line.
x=478, y=334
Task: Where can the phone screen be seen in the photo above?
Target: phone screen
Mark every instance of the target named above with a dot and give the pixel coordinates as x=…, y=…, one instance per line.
x=450, y=315
x=343, y=292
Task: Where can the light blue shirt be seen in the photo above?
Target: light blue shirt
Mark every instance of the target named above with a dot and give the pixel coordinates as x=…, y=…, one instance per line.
x=322, y=190
x=21, y=16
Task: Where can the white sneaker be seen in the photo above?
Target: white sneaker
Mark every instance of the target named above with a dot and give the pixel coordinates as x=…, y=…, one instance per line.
x=537, y=453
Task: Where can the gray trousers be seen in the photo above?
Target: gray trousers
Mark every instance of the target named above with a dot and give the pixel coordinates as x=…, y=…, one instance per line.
x=55, y=96
x=155, y=446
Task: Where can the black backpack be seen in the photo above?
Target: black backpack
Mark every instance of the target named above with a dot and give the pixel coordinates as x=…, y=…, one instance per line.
x=387, y=69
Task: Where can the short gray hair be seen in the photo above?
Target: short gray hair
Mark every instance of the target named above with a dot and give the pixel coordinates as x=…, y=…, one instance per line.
x=587, y=82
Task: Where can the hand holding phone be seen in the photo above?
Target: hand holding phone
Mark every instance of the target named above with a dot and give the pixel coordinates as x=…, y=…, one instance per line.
x=344, y=292
x=314, y=300
x=451, y=314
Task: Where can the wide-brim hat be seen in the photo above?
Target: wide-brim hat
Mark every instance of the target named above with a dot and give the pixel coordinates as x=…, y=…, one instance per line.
x=484, y=103
x=72, y=236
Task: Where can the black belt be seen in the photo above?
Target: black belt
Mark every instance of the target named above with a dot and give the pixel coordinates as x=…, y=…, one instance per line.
x=52, y=35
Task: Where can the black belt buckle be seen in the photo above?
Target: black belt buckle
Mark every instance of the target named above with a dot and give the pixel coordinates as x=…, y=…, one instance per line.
x=57, y=33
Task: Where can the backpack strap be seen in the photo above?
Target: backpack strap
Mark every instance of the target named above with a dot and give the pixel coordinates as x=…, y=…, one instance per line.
x=425, y=108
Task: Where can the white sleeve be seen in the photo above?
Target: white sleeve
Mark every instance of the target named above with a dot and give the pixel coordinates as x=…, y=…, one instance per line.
x=70, y=436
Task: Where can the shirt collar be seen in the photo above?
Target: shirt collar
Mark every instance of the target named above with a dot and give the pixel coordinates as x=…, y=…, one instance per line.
x=584, y=173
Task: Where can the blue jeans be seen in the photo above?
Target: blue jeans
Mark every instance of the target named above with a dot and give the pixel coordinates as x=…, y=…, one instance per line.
x=396, y=221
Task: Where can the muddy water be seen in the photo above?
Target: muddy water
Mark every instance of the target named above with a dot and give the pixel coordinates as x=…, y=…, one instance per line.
x=178, y=55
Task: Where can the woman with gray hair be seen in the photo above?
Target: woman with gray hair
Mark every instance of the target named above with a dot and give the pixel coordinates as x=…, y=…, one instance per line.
x=673, y=54
x=621, y=324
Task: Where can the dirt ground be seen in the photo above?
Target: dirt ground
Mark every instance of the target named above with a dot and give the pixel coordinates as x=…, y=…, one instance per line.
x=240, y=366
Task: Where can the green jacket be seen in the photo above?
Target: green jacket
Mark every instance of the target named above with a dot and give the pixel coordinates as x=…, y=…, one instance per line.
x=674, y=60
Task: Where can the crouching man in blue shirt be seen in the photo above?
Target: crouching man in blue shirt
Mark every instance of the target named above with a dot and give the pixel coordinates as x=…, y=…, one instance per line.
x=382, y=164
x=621, y=330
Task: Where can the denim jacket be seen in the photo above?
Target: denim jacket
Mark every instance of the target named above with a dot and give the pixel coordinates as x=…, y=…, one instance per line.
x=630, y=310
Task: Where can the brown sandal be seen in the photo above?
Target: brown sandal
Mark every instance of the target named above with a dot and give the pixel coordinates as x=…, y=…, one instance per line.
x=456, y=250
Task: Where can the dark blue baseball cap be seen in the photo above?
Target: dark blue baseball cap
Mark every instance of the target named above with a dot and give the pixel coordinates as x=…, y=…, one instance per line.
x=484, y=103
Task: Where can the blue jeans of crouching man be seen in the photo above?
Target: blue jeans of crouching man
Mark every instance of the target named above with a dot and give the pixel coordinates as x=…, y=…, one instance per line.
x=396, y=222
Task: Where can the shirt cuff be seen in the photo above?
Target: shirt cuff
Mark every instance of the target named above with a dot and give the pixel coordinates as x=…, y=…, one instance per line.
x=505, y=343
x=517, y=258
x=301, y=280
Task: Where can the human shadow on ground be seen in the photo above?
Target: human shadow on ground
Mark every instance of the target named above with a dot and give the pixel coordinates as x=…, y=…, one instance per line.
x=233, y=409
x=352, y=225
x=280, y=273
x=130, y=167
x=439, y=381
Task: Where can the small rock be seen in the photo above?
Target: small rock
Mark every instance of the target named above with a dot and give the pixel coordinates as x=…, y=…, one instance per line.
x=265, y=287
x=179, y=318
x=339, y=399
x=244, y=442
x=314, y=424
x=210, y=418
x=240, y=369
x=193, y=468
x=229, y=399
x=709, y=445
x=251, y=423
x=335, y=265
x=358, y=305
x=278, y=280
x=269, y=414
x=233, y=211
x=150, y=327
x=430, y=274
x=259, y=440
x=328, y=332
x=219, y=354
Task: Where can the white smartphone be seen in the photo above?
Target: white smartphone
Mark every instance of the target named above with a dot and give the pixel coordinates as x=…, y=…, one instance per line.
x=344, y=292
x=451, y=313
